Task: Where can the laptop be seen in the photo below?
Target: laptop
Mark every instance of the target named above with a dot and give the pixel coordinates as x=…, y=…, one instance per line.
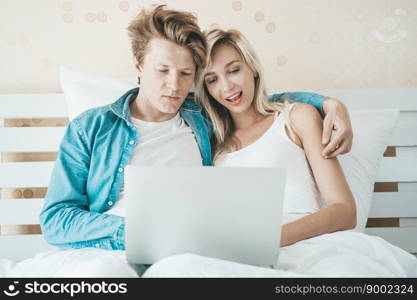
x=227, y=213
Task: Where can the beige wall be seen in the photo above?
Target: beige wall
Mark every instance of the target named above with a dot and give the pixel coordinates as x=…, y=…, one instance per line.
x=303, y=44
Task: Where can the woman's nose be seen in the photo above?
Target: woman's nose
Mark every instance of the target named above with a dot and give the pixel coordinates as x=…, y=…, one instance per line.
x=227, y=85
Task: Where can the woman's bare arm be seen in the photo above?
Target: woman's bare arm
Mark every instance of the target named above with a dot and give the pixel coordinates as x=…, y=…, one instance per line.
x=340, y=210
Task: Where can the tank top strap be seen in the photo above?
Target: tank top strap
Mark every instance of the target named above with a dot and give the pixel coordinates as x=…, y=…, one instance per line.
x=282, y=119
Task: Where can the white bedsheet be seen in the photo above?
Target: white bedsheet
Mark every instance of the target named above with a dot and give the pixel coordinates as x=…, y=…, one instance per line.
x=87, y=262
x=348, y=254
x=339, y=254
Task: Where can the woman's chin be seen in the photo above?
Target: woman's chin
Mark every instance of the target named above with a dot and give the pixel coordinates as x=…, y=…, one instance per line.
x=240, y=108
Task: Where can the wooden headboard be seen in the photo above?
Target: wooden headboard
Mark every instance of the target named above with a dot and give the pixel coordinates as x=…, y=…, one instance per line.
x=32, y=125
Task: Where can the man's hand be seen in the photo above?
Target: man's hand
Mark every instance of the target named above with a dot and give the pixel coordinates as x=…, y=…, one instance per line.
x=336, y=118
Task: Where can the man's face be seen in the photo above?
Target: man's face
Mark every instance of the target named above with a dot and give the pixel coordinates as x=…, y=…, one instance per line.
x=166, y=76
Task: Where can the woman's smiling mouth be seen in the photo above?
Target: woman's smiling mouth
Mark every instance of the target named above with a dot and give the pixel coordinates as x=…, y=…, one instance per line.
x=235, y=99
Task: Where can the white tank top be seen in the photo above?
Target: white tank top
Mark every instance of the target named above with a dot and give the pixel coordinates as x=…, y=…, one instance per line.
x=275, y=149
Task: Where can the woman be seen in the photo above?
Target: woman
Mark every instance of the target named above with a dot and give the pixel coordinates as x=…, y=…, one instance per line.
x=252, y=132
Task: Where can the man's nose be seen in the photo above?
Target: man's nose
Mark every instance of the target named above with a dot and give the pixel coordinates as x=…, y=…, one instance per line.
x=173, y=81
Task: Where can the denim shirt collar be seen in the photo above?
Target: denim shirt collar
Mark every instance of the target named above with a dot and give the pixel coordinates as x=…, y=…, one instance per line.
x=122, y=106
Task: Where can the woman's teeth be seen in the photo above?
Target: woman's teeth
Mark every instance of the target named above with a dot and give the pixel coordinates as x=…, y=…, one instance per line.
x=234, y=98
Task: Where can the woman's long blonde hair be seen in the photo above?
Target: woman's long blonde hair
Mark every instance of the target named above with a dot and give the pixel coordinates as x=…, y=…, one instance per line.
x=223, y=125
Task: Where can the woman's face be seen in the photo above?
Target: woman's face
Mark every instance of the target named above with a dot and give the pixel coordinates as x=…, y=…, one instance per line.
x=229, y=79
x=166, y=76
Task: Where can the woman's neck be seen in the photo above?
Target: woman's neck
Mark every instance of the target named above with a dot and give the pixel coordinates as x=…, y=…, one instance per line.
x=246, y=119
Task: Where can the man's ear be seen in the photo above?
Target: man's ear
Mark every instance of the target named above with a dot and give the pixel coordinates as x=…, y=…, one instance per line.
x=138, y=67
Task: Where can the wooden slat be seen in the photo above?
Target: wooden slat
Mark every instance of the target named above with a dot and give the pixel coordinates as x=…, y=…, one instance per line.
x=408, y=222
x=390, y=152
x=401, y=204
x=382, y=222
x=403, y=98
x=20, y=211
x=25, y=193
x=22, y=246
x=25, y=174
x=404, y=238
x=30, y=139
x=405, y=133
x=32, y=106
x=397, y=169
x=406, y=151
x=36, y=122
x=20, y=229
x=28, y=156
x=355, y=98
x=407, y=186
x=385, y=187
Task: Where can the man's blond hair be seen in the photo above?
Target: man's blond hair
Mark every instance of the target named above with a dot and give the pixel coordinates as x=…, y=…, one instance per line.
x=176, y=26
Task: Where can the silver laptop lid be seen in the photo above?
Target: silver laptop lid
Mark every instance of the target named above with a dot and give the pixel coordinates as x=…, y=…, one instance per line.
x=227, y=213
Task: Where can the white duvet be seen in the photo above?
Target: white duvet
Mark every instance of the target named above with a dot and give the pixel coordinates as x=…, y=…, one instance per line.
x=339, y=254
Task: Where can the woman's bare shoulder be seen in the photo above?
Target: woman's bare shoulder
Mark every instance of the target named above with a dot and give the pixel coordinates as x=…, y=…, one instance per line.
x=305, y=117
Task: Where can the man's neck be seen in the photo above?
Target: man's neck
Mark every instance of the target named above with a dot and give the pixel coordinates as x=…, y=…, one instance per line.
x=141, y=109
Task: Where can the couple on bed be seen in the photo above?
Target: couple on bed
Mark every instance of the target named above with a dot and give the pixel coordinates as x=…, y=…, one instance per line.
x=230, y=121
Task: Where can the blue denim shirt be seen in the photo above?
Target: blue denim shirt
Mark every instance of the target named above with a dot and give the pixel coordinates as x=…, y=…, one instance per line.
x=89, y=170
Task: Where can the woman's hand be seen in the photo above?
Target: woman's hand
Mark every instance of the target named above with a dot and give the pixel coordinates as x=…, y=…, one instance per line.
x=336, y=118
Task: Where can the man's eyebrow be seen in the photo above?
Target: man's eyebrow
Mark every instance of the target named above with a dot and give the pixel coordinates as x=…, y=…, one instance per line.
x=228, y=64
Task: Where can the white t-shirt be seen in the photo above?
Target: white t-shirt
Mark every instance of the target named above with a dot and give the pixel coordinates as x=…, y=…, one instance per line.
x=168, y=143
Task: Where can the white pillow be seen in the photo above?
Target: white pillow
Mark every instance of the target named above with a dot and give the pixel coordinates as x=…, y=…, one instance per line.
x=85, y=90
x=372, y=130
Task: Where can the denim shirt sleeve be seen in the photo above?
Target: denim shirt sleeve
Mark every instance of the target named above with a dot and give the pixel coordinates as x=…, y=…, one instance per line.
x=65, y=217
x=310, y=98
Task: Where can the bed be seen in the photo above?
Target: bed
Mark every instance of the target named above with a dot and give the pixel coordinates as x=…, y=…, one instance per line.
x=32, y=125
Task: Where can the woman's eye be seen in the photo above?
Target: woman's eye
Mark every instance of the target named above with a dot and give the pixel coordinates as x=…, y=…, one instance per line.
x=211, y=80
x=235, y=70
x=163, y=71
x=187, y=74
